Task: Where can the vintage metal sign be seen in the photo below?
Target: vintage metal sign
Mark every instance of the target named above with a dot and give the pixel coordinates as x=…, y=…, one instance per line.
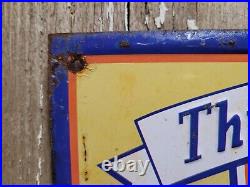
x=150, y=107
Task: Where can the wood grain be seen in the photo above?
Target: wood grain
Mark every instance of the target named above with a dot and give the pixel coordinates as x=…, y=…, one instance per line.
x=25, y=124
x=228, y=15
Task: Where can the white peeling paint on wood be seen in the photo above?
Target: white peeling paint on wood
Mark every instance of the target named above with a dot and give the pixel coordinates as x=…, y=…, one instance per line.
x=146, y=20
x=41, y=97
x=39, y=173
x=191, y=24
x=161, y=18
x=110, y=15
x=100, y=20
x=126, y=17
x=40, y=135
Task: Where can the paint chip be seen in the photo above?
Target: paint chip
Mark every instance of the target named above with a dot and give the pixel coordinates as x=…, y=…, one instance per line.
x=146, y=19
x=39, y=174
x=126, y=16
x=110, y=15
x=100, y=23
x=161, y=18
x=41, y=96
x=191, y=24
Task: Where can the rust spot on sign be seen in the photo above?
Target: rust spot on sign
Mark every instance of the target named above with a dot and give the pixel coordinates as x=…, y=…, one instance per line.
x=230, y=43
x=76, y=63
x=85, y=171
x=84, y=148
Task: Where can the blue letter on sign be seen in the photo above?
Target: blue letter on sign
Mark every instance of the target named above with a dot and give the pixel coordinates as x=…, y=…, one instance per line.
x=235, y=122
x=194, y=120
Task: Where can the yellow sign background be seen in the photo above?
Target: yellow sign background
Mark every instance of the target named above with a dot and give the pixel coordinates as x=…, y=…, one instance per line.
x=113, y=95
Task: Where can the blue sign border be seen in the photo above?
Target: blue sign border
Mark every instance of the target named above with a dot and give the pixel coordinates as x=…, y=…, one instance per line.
x=60, y=128
x=168, y=42
x=111, y=43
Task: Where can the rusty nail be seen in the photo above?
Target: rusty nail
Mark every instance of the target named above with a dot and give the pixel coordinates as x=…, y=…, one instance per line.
x=76, y=63
x=124, y=44
x=230, y=43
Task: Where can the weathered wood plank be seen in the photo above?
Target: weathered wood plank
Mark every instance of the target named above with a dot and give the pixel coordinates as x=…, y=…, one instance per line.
x=104, y=17
x=26, y=158
x=26, y=128
x=182, y=13
x=181, y=16
x=222, y=15
x=163, y=16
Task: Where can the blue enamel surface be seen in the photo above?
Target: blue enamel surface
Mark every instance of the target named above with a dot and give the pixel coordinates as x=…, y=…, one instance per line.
x=151, y=42
x=60, y=130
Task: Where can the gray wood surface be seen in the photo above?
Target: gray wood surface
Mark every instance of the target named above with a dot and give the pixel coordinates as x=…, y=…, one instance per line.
x=25, y=124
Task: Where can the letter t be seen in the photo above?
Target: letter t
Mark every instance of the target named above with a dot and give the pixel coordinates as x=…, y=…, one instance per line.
x=194, y=121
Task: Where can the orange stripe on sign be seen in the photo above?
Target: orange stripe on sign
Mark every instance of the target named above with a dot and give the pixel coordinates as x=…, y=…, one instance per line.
x=246, y=173
x=73, y=128
x=146, y=58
